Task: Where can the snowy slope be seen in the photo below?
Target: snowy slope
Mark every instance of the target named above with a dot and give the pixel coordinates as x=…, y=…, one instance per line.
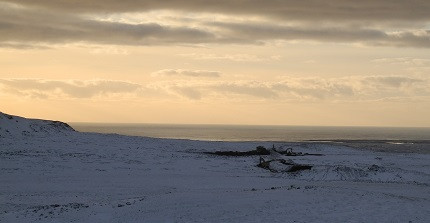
x=18, y=126
x=87, y=177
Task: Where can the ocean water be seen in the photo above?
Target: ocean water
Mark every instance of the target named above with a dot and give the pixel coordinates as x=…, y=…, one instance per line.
x=257, y=133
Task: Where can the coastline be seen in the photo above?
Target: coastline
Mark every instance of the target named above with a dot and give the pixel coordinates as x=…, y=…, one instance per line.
x=239, y=133
x=389, y=146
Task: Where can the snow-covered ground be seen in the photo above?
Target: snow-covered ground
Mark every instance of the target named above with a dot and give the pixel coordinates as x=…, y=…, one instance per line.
x=50, y=173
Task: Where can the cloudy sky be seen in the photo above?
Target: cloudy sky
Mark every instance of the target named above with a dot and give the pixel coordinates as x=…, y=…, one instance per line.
x=271, y=62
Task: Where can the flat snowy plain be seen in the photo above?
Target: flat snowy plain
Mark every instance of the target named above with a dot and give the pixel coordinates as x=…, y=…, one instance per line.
x=50, y=173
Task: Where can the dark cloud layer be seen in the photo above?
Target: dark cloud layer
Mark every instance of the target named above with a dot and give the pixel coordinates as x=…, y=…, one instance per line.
x=316, y=10
x=370, y=22
x=33, y=26
x=253, y=32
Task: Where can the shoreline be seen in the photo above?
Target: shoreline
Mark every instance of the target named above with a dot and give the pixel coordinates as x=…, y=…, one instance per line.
x=376, y=145
x=390, y=146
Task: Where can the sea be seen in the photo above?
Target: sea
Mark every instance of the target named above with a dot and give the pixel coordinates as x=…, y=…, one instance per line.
x=257, y=132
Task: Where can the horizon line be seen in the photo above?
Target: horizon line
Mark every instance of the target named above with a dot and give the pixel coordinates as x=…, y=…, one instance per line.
x=256, y=125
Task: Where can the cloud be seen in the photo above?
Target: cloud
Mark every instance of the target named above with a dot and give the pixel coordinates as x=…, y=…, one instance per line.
x=331, y=10
x=349, y=88
x=249, y=88
x=309, y=89
x=393, y=81
x=232, y=57
x=369, y=22
x=316, y=88
x=255, y=32
x=22, y=46
x=70, y=88
x=30, y=26
x=408, y=61
x=187, y=92
x=189, y=73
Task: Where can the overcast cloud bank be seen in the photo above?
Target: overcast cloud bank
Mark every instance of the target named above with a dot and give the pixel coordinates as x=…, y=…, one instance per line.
x=376, y=23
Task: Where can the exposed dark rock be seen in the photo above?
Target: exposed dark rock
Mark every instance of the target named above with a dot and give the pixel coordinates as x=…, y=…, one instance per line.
x=289, y=152
x=259, y=151
x=266, y=164
x=294, y=167
x=299, y=167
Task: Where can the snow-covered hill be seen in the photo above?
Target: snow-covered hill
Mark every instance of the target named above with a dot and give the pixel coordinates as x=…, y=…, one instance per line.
x=16, y=126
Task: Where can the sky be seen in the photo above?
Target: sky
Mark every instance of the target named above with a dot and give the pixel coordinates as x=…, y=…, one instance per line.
x=252, y=62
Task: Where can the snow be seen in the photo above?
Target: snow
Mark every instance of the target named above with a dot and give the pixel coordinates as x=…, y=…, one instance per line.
x=16, y=126
x=51, y=173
